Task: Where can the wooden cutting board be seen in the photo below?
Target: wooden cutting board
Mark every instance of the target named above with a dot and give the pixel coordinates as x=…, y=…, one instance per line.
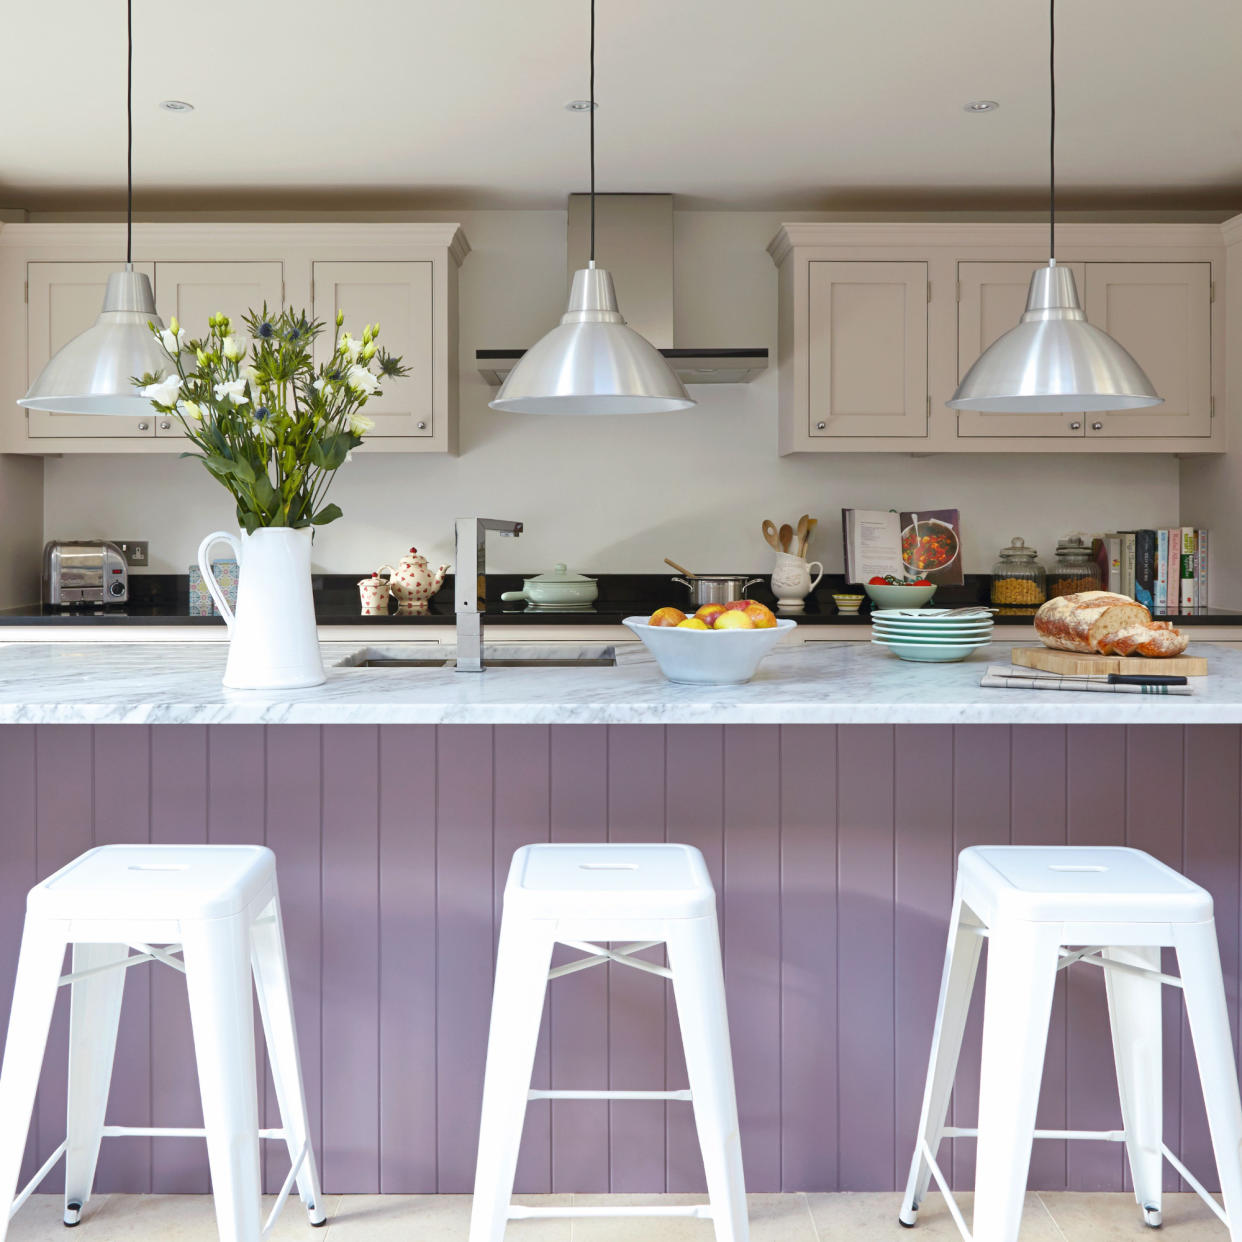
x=1071, y=662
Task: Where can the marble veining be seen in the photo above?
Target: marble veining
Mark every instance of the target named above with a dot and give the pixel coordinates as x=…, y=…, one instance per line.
x=815, y=683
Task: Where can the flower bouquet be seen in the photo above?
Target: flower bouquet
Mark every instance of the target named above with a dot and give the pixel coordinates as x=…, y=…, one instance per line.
x=273, y=428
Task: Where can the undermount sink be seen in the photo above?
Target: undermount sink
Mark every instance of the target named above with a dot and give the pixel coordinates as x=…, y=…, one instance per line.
x=510, y=656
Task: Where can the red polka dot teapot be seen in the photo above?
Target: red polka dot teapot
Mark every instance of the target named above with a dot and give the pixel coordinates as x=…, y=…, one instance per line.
x=413, y=582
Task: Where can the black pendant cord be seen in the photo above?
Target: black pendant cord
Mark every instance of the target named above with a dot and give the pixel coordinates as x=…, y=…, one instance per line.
x=1052, y=130
x=592, y=111
x=129, y=135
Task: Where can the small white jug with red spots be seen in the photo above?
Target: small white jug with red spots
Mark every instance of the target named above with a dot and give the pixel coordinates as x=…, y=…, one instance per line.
x=413, y=582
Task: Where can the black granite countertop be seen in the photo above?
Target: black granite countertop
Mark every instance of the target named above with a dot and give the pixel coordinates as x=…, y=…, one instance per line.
x=163, y=599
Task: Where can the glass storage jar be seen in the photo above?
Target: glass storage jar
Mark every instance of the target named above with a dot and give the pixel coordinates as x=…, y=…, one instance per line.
x=1017, y=579
x=1076, y=568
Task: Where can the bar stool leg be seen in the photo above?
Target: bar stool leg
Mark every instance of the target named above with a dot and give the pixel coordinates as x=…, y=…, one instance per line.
x=217, y=974
x=94, y=1017
x=961, y=964
x=1198, y=960
x=522, y=962
x=271, y=975
x=693, y=947
x=1135, y=1013
x=1021, y=972
x=34, y=997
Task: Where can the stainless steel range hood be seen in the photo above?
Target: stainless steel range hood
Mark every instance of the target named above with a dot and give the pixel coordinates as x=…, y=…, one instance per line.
x=634, y=241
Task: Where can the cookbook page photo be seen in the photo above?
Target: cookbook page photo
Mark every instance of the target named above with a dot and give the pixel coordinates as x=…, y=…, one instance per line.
x=905, y=544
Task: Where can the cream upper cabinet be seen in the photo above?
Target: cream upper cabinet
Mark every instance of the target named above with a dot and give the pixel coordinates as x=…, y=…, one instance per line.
x=991, y=299
x=63, y=300
x=193, y=292
x=399, y=296
x=866, y=350
x=1161, y=313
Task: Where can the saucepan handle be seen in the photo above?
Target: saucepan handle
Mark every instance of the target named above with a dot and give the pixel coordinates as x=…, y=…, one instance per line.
x=204, y=567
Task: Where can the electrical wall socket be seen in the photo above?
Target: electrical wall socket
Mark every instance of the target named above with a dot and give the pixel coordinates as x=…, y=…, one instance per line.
x=137, y=551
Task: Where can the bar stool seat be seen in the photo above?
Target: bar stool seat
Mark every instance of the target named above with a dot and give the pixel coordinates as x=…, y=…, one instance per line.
x=1042, y=909
x=591, y=897
x=211, y=912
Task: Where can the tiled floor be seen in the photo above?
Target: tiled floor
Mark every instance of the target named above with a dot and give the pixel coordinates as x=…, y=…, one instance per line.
x=773, y=1218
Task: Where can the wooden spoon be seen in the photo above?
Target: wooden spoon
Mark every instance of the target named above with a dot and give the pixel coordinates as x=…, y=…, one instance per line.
x=679, y=568
x=769, y=534
x=806, y=539
x=802, y=527
x=786, y=537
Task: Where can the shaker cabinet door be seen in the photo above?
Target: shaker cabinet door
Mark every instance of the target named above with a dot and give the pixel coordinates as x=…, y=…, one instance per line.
x=63, y=300
x=1161, y=313
x=397, y=295
x=867, y=348
x=193, y=292
x=991, y=299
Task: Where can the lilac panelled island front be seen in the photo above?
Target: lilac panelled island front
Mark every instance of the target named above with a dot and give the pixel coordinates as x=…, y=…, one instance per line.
x=832, y=849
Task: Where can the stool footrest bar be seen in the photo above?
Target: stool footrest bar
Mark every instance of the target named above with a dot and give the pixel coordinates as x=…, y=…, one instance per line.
x=29, y=1188
x=1195, y=1185
x=610, y=1095
x=171, y=1132
x=517, y=1211
x=1105, y=1136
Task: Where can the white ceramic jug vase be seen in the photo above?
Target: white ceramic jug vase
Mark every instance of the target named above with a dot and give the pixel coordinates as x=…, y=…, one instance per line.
x=273, y=643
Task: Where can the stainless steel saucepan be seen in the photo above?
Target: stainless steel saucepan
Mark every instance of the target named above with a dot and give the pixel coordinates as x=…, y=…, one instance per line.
x=716, y=588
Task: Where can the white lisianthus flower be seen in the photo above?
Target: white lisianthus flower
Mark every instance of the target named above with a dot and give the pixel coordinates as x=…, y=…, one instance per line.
x=191, y=409
x=360, y=424
x=234, y=348
x=165, y=392
x=232, y=390
x=172, y=340
x=349, y=347
x=361, y=380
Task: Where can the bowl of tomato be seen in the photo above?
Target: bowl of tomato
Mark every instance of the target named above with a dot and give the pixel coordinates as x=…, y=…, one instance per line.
x=928, y=545
x=892, y=592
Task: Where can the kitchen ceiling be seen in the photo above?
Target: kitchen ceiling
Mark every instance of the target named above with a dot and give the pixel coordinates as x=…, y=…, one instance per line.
x=796, y=104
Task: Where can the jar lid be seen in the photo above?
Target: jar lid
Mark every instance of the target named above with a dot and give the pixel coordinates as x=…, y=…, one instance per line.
x=560, y=574
x=1017, y=550
x=1073, y=548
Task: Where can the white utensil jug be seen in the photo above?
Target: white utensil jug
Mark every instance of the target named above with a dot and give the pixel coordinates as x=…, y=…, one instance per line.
x=273, y=643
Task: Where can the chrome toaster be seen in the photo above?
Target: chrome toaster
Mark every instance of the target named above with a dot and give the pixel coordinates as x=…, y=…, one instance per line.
x=84, y=571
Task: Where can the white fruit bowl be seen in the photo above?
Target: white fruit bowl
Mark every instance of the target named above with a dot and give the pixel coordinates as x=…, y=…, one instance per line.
x=708, y=657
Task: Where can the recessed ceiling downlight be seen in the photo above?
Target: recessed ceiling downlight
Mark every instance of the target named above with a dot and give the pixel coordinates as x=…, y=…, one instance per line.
x=176, y=105
x=581, y=105
x=980, y=105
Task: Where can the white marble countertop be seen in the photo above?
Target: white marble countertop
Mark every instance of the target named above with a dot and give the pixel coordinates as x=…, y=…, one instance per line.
x=819, y=683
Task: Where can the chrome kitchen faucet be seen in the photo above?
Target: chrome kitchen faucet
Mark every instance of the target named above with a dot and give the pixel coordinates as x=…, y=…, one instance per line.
x=470, y=586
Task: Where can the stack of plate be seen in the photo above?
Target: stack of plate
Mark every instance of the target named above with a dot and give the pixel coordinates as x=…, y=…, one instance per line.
x=930, y=634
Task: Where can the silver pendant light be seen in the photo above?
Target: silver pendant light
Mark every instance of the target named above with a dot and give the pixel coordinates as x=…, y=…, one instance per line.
x=1054, y=361
x=94, y=372
x=592, y=362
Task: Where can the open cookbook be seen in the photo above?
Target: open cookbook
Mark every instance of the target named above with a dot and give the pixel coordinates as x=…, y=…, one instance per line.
x=926, y=544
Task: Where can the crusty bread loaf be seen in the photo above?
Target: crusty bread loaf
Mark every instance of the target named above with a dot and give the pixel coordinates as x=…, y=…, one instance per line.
x=1078, y=622
x=1104, y=623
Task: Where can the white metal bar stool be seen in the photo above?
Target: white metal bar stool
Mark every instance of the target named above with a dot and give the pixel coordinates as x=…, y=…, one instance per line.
x=1043, y=908
x=586, y=896
x=211, y=912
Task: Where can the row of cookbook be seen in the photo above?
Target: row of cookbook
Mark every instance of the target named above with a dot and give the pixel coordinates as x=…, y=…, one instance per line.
x=1167, y=570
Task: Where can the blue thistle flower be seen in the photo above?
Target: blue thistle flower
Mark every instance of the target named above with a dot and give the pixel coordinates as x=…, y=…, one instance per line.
x=266, y=330
x=261, y=412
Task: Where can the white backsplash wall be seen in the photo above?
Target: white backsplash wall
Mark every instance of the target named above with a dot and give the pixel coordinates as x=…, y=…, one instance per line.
x=618, y=494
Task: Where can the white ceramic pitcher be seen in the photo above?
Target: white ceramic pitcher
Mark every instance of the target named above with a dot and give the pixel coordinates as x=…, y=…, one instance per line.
x=273, y=643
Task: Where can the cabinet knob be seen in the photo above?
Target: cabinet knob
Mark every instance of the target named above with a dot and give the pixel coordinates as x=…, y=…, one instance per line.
x=1097, y=426
x=1075, y=426
x=820, y=426
x=165, y=425
x=144, y=426
x=422, y=426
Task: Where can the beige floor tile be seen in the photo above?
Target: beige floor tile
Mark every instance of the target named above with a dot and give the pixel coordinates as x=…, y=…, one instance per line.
x=41, y=1217
x=432, y=1218
x=845, y=1217
x=1112, y=1218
